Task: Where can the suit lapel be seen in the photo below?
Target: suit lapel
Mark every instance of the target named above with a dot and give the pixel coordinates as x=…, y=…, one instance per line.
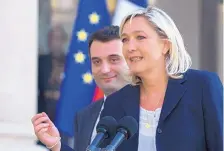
x=131, y=102
x=131, y=108
x=124, y=104
x=92, y=114
x=175, y=91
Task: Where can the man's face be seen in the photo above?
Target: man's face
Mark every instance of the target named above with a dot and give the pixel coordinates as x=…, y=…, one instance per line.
x=108, y=65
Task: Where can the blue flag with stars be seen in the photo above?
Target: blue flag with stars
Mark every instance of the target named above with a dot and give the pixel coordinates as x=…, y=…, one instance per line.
x=78, y=86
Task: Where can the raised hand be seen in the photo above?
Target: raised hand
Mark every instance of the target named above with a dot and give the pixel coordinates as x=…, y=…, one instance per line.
x=45, y=130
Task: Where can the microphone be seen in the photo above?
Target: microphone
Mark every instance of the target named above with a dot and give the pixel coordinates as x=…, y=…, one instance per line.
x=106, y=128
x=126, y=128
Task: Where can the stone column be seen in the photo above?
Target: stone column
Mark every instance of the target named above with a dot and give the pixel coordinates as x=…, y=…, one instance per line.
x=18, y=74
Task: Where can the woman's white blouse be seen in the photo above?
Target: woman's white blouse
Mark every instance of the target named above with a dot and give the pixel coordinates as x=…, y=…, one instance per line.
x=148, y=122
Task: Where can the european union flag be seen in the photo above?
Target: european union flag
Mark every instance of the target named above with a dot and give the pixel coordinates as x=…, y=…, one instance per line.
x=77, y=89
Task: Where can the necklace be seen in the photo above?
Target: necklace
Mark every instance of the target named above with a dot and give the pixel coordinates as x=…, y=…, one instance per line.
x=150, y=118
x=147, y=123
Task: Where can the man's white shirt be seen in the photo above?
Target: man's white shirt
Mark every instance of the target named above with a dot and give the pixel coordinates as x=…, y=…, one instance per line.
x=97, y=121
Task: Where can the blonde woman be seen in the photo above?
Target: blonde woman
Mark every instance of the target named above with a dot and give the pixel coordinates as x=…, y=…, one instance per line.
x=177, y=108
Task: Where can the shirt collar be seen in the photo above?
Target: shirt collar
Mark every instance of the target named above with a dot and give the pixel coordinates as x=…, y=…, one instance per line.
x=105, y=97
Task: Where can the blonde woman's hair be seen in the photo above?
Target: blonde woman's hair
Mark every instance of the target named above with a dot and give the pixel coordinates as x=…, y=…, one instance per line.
x=178, y=61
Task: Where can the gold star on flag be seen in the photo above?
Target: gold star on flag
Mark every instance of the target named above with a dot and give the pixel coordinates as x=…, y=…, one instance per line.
x=79, y=57
x=82, y=35
x=87, y=78
x=94, y=18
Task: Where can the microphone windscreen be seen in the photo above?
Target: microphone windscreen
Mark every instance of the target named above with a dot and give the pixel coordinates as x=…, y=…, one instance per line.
x=109, y=124
x=130, y=124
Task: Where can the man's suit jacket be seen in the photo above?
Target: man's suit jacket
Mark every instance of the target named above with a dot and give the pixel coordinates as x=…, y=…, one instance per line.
x=85, y=121
x=191, y=118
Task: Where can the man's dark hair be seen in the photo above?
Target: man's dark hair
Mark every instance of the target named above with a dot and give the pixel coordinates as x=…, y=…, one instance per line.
x=106, y=34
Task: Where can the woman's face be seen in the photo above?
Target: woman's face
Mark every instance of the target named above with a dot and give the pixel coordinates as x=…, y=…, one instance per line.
x=143, y=49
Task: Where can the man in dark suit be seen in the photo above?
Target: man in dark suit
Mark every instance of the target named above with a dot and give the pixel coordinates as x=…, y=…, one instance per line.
x=110, y=72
